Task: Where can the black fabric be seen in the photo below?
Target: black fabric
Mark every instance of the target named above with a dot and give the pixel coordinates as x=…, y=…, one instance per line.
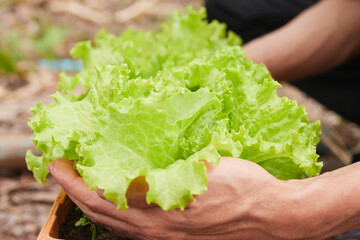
x=253, y=18
x=338, y=89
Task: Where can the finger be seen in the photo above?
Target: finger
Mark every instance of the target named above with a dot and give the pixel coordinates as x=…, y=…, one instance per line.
x=63, y=171
x=74, y=186
x=210, y=168
x=117, y=226
x=130, y=220
x=214, y=172
x=135, y=194
x=70, y=180
x=63, y=163
x=100, y=192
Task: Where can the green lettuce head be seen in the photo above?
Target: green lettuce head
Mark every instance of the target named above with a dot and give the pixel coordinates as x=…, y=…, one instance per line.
x=156, y=104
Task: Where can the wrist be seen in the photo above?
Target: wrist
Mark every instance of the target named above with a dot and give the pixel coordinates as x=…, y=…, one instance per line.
x=332, y=201
x=290, y=210
x=316, y=208
x=304, y=208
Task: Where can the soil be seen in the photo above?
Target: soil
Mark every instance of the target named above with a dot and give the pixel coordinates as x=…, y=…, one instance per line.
x=69, y=231
x=24, y=204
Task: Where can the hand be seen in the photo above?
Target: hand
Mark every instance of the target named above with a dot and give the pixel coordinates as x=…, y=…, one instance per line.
x=238, y=193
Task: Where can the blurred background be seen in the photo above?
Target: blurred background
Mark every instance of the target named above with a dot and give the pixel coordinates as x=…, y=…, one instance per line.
x=35, y=39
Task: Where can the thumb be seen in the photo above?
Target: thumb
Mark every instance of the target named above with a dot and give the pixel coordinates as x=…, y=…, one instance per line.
x=65, y=174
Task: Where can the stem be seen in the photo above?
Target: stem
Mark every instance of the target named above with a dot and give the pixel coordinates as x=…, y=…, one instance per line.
x=93, y=237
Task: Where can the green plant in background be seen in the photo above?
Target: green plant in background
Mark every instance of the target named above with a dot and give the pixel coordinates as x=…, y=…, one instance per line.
x=10, y=52
x=21, y=45
x=83, y=221
x=46, y=42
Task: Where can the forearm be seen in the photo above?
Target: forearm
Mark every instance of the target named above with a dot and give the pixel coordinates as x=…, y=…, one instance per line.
x=315, y=208
x=320, y=38
x=335, y=197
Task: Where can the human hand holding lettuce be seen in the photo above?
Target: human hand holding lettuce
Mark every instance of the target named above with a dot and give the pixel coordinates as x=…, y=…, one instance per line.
x=158, y=104
x=238, y=193
x=243, y=201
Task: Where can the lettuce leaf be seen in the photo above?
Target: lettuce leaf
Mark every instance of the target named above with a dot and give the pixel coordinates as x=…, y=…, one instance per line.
x=158, y=114
x=182, y=39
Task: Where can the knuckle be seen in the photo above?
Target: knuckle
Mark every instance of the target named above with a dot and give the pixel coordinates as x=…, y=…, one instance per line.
x=184, y=218
x=94, y=218
x=159, y=232
x=91, y=205
x=91, y=201
x=154, y=233
x=67, y=185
